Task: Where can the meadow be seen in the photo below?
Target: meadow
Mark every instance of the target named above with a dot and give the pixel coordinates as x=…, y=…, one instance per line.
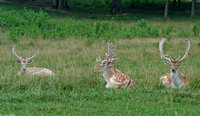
x=70, y=44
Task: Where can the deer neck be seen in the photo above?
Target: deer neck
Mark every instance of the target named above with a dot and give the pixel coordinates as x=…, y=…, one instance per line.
x=22, y=72
x=176, y=82
x=108, y=73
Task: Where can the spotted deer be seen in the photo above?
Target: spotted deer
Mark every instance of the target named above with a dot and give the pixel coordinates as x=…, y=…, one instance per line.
x=174, y=79
x=112, y=76
x=32, y=71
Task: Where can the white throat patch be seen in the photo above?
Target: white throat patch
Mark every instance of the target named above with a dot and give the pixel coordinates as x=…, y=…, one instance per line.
x=176, y=82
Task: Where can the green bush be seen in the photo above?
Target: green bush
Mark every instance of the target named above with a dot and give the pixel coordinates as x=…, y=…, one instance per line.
x=166, y=32
x=182, y=33
x=196, y=30
x=37, y=23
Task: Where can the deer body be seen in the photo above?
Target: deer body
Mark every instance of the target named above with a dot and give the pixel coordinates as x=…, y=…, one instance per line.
x=112, y=76
x=31, y=71
x=177, y=80
x=174, y=79
x=36, y=71
x=116, y=79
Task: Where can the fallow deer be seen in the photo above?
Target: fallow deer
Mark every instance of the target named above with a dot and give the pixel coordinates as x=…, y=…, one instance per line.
x=174, y=79
x=32, y=71
x=112, y=76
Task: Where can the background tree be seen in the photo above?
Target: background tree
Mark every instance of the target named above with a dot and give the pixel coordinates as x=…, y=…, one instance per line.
x=193, y=8
x=166, y=8
x=179, y=3
x=60, y=4
x=116, y=7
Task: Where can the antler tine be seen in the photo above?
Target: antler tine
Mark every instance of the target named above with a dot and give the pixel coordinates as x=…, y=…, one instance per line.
x=161, y=43
x=178, y=58
x=37, y=51
x=98, y=59
x=111, y=51
x=16, y=53
x=186, y=52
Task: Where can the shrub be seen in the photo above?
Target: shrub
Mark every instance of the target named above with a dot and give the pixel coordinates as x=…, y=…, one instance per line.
x=37, y=23
x=142, y=23
x=89, y=41
x=166, y=32
x=195, y=30
x=182, y=33
x=154, y=31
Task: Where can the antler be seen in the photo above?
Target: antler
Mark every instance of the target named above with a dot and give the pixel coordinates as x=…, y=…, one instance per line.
x=186, y=52
x=99, y=59
x=37, y=51
x=161, y=43
x=111, y=51
x=16, y=53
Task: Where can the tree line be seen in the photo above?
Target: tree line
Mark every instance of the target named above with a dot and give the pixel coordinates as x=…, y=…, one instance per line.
x=63, y=4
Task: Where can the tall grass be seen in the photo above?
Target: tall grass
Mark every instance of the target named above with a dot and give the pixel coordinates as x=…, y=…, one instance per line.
x=78, y=90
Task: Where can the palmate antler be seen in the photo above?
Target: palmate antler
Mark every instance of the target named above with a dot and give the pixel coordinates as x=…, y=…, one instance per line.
x=111, y=51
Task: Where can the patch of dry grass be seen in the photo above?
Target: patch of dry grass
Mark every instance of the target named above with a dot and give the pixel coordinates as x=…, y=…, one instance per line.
x=139, y=58
x=77, y=87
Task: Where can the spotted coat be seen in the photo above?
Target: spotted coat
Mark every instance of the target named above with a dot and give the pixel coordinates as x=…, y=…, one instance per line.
x=37, y=71
x=120, y=79
x=167, y=80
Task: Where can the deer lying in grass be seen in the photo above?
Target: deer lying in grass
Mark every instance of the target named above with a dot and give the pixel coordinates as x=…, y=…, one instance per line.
x=174, y=79
x=112, y=76
x=32, y=71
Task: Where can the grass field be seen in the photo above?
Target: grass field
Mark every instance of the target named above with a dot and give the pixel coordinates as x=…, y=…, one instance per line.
x=77, y=90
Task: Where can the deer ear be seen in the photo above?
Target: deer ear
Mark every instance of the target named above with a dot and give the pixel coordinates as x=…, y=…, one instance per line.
x=167, y=63
x=19, y=61
x=30, y=61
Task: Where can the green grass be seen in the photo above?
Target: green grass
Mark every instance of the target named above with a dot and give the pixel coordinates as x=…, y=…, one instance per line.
x=77, y=90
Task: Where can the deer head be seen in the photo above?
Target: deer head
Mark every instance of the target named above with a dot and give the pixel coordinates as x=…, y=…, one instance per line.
x=108, y=61
x=24, y=62
x=169, y=61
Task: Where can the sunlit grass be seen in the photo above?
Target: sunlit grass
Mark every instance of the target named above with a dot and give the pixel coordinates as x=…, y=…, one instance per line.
x=78, y=90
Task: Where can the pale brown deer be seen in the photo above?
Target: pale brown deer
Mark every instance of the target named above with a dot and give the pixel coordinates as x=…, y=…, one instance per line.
x=174, y=79
x=112, y=76
x=32, y=71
